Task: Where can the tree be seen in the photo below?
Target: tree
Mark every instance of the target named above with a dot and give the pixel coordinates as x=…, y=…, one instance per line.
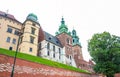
x=104, y=49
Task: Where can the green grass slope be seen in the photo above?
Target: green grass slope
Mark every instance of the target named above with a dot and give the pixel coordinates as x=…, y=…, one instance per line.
x=40, y=60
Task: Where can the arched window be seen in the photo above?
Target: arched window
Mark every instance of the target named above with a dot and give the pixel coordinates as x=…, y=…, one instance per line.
x=59, y=51
x=70, y=57
x=53, y=55
x=10, y=48
x=48, y=53
x=68, y=40
x=48, y=45
x=54, y=48
x=73, y=40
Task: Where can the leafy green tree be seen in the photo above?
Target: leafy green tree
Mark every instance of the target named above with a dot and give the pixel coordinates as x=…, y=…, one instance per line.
x=104, y=49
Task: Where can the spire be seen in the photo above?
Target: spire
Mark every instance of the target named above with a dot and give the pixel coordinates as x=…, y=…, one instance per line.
x=75, y=38
x=63, y=28
x=62, y=22
x=73, y=32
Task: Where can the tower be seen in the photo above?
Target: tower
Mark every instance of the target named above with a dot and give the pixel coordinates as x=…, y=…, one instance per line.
x=77, y=51
x=75, y=38
x=66, y=40
x=29, y=38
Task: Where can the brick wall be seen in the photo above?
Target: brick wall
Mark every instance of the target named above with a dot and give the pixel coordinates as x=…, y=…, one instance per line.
x=25, y=68
x=117, y=75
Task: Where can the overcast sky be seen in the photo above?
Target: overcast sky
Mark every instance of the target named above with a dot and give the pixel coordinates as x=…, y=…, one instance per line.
x=85, y=16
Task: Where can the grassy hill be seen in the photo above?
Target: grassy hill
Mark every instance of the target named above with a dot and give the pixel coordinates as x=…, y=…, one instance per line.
x=40, y=60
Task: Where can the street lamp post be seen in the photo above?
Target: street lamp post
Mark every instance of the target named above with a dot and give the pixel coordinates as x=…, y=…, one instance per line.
x=12, y=73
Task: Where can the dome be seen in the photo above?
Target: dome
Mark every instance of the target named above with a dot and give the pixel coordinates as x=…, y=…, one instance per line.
x=32, y=16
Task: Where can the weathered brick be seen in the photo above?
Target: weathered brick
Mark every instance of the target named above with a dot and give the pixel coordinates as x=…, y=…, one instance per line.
x=25, y=68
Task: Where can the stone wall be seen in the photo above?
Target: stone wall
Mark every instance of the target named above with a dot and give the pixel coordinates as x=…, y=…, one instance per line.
x=25, y=68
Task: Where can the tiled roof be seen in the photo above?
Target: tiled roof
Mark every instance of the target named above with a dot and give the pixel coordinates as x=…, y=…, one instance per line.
x=52, y=39
x=8, y=16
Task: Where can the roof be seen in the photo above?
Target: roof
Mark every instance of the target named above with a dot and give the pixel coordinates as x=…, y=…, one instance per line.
x=52, y=39
x=8, y=16
x=32, y=17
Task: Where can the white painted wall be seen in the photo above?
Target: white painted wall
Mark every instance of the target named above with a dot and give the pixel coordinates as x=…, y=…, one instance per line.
x=44, y=51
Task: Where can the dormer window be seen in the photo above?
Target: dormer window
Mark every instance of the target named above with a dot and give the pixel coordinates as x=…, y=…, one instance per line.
x=57, y=42
x=49, y=38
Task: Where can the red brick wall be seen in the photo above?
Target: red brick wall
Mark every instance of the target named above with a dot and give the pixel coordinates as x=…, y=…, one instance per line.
x=117, y=75
x=78, y=52
x=41, y=35
x=63, y=39
x=25, y=68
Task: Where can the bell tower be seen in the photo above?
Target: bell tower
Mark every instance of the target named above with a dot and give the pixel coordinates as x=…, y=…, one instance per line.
x=29, y=38
x=77, y=48
x=66, y=40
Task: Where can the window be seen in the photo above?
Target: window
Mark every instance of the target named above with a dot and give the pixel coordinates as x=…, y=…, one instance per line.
x=70, y=57
x=59, y=57
x=68, y=41
x=14, y=41
x=33, y=30
x=48, y=45
x=40, y=46
x=49, y=38
x=9, y=30
x=53, y=48
x=59, y=51
x=30, y=49
x=10, y=48
x=33, y=24
x=8, y=39
x=16, y=32
x=32, y=39
x=53, y=55
x=48, y=53
x=73, y=41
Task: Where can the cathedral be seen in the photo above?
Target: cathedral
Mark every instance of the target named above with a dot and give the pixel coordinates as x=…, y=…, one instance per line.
x=29, y=37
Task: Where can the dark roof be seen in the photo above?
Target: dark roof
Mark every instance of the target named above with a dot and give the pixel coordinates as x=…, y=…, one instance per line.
x=8, y=16
x=52, y=39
